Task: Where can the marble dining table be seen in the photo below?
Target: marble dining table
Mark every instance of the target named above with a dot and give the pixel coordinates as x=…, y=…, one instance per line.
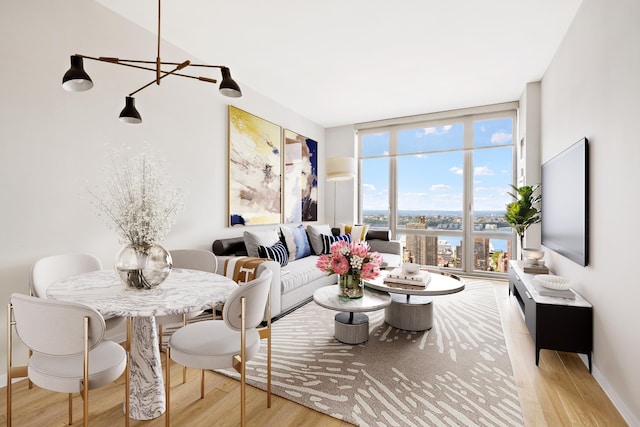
x=183, y=291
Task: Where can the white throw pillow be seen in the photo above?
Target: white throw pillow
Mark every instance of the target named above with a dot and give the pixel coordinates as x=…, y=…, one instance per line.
x=253, y=239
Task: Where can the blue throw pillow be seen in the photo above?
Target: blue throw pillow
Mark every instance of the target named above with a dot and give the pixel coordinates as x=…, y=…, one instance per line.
x=277, y=252
x=303, y=248
x=297, y=242
x=328, y=240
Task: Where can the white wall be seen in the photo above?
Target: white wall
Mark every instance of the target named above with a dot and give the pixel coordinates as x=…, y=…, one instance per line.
x=52, y=142
x=341, y=142
x=591, y=89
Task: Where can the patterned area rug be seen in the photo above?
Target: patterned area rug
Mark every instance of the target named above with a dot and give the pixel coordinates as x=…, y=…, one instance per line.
x=457, y=373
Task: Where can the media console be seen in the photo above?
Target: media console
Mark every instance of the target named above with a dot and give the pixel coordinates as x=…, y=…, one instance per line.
x=554, y=323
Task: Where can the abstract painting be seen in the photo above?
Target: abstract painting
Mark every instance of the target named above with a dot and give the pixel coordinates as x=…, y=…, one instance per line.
x=255, y=170
x=301, y=178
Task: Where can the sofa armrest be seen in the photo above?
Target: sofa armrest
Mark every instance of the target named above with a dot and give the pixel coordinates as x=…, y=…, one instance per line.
x=390, y=250
x=386, y=246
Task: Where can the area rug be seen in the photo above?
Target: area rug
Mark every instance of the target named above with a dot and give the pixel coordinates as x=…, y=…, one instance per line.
x=457, y=373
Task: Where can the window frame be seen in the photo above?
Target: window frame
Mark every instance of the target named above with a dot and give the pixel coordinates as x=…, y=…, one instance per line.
x=467, y=117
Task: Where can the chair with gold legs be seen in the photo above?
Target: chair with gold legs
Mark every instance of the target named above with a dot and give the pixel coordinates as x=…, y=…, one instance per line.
x=226, y=343
x=68, y=352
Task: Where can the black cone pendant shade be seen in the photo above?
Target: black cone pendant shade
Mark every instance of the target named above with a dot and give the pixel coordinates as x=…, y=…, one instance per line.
x=76, y=79
x=129, y=114
x=228, y=87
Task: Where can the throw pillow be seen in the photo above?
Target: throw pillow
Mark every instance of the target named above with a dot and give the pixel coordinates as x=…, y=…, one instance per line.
x=253, y=239
x=358, y=232
x=328, y=240
x=315, y=233
x=295, y=238
x=277, y=252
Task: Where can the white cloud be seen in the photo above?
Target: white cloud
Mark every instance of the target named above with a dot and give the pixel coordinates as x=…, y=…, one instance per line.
x=368, y=187
x=482, y=170
x=501, y=138
x=456, y=170
x=434, y=130
x=440, y=187
x=386, y=153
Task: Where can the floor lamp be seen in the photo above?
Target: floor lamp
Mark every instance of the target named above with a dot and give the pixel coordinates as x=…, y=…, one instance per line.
x=340, y=169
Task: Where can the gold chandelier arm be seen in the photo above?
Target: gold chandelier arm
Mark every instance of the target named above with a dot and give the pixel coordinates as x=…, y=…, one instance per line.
x=157, y=80
x=125, y=63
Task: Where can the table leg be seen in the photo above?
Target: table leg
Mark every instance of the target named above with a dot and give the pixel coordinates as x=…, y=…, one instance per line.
x=352, y=328
x=146, y=393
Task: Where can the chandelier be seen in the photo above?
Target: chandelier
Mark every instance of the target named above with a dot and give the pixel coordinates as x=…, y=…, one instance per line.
x=77, y=80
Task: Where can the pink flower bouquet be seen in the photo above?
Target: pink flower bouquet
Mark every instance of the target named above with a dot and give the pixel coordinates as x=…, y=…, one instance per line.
x=351, y=259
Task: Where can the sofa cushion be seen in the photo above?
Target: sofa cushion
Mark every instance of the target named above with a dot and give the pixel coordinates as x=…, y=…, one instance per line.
x=315, y=233
x=328, y=240
x=299, y=273
x=277, y=252
x=358, y=232
x=297, y=242
x=253, y=239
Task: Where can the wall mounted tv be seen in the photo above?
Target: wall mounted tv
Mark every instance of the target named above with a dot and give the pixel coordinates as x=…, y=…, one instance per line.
x=565, y=203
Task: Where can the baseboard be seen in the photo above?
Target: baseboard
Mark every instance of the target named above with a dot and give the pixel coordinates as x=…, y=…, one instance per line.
x=624, y=410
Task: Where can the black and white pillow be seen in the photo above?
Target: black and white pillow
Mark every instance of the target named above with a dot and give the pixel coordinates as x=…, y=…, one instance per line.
x=328, y=240
x=278, y=252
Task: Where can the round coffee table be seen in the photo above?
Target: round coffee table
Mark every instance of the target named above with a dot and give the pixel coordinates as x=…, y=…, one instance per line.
x=351, y=324
x=412, y=309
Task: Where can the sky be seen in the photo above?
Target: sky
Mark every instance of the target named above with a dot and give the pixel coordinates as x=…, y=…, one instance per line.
x=433, y=179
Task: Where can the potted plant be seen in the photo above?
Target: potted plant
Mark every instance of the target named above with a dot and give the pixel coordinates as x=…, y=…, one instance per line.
x=522, y=212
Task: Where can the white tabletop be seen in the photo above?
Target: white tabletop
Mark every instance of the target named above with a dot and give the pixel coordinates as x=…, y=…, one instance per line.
x=328, y=297
x=183, y=291
x=438, y=285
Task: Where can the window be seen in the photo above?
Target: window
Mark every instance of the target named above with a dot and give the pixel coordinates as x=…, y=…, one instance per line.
x=440, y=186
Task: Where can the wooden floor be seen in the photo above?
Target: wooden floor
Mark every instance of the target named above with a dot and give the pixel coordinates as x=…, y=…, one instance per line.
x=560, y=392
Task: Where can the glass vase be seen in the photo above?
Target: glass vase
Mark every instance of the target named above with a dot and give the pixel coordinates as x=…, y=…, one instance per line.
x=143, y=267
x=351, y=286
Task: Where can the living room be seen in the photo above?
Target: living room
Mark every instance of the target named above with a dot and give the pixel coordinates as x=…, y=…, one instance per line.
x=55, y=146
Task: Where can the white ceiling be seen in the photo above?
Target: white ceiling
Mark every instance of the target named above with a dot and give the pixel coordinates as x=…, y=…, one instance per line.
x=340, y=62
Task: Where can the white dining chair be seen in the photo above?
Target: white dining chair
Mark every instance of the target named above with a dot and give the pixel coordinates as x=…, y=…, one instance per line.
x=192, y=259
x=226, y=343
x=48, y=270
x=68, y=350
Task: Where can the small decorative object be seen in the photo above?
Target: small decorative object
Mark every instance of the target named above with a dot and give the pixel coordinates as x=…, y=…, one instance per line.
x=550, y=281
x=140, y=205
x=143, y=267
x=410, y=268
x=521, y=213
x=354, y=263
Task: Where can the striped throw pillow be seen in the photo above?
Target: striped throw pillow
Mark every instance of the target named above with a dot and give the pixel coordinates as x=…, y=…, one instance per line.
x=328, y=240
x=277, y=252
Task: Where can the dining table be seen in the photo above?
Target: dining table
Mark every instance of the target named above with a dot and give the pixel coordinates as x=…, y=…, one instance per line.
x=183, y=291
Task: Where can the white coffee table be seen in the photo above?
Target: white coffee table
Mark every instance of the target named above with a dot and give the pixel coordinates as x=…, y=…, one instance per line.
x=351, y=324
x=412, y=309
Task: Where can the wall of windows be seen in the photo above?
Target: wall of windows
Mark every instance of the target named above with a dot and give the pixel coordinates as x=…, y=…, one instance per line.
x=440, y=185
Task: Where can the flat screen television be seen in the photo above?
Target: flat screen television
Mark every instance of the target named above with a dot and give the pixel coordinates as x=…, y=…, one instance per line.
x=565, y=203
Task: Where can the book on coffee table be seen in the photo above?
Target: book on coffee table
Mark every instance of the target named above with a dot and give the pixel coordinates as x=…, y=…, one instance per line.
x=418, y=280
x=399, y=285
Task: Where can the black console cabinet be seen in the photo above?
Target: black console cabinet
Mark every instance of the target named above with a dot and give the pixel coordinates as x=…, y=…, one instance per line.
x=554, y=323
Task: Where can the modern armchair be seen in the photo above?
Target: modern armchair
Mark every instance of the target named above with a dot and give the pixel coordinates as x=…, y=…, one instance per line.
x=226, y=343
x=48, y=270
x=68, y=352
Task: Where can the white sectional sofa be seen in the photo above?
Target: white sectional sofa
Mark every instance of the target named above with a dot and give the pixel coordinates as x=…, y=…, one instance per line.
x=294, y=283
